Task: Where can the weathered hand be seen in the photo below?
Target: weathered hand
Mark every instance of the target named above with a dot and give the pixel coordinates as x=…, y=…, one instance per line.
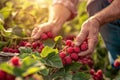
x=37, y=31
x=89, y=31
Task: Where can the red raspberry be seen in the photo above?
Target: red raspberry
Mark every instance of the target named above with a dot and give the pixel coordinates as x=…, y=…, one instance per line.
x=49, y=34
x=5, y=49
x=117, y=63
x=63, y=62
x=28, y=44
x=16, y=51
x=84, y=46
x=15, y=61
x=74, y=56
x=10, y=77
x=41, y=46
x=92, y=71
x=76, y=49
x=68, y=60
x=11, y=50
x=22, y=43
x=39, y=50
x=2, y=75
x=69, y=42
x=34, y=45
x=62, y=55
x=70, y=50
x=44, y=36
x=99, y=73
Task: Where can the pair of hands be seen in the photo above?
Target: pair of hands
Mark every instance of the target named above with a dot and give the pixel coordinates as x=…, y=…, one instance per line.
x=89, y=30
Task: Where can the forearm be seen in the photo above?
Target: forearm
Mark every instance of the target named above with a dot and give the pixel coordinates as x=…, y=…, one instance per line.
x=110, y=13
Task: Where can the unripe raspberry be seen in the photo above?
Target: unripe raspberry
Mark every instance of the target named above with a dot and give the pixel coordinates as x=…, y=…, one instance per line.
x=49, y=34
x=116, y=63
x=76, y=49
x=44, y=36
x=62, y=54
x=74, y=56
x=92, y=71
x=84, y=46
x=15, y=61
x=70, y=50
x=68, y=60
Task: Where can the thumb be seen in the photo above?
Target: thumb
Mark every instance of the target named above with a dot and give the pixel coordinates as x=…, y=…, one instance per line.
x=80, y=38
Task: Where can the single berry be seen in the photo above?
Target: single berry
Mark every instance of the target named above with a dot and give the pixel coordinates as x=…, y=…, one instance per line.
x=15, y=61
x=34, y=45
x=92, y=71
x=11, y=50
x=74, y=56
x=116, y=63
x=28, y=44
x=99, y=73
x=44, y=36
x=69, y=42
x=68, y=60
x=84, y=46
x=5, y=49
x=49, y=34
x=22, y=43
x=70, y=50
x=2, y=75
x=10, y=77
x=76, y=49
x=62, y=54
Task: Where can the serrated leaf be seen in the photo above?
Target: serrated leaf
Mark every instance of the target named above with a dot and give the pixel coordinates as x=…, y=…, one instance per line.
x=49, y=42
x=81, y=76
x=25, y=50
x=54, y=60
x=44, y=72
x=48, y=50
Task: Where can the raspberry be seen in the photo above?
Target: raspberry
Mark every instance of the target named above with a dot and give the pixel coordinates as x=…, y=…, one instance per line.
x=15, y=61
x=2, y=75
x=76, y=49
x=99, y=73
x=34, y=45
x=68, y=42
x=41, y=46
x=22, y=43
x=62, y=55
x=11, y=50
x=5, y=49
x=63, y=62
x=28, y=44
x=70, y=50
x=92, y=71
x=49, y=34
x=117, y=63
x=68, y=60
x=10, y=77
x=74, y=56
x=84, y=46
x=44, y=36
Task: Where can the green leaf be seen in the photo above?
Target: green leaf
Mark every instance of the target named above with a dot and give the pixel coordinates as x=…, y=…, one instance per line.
x=1, y=19
x=54, y=60
x=25, y=50
x=48, y=50
x=81, y=76
x=49, y=42
x=73, y=67
x=58, y=38
x=44, y=72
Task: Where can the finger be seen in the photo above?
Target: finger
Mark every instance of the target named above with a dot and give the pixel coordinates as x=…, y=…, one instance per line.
x=37, y=34
x=81, y=37
x=56, y=31
x=35, y=30
x=91, y=45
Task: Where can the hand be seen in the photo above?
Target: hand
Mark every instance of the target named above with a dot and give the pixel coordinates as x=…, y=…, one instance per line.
x=46, y=27
x=89, y=31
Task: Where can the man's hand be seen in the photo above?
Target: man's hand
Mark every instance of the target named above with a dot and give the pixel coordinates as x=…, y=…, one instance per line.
x=46, y=27
x=89, y=31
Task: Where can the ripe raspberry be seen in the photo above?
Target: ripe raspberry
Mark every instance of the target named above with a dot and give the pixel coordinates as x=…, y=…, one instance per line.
x=5, y=49
x=22, y=43
x=15, y=61
x=99, y=73
x=116, y=63
x=44, y=36
x=2, y=75
x=62, y=55
x=63, y=62
x=41, y=46
x=68, y=60
x=92, y=71
x=28, y=44
x=76, y=49
x=10, y=77
x=69, y=42
x=11, y=50
x=70, y=50
x=74, y=56
x=84, y=46
x=49, y=34
x=34, y=45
